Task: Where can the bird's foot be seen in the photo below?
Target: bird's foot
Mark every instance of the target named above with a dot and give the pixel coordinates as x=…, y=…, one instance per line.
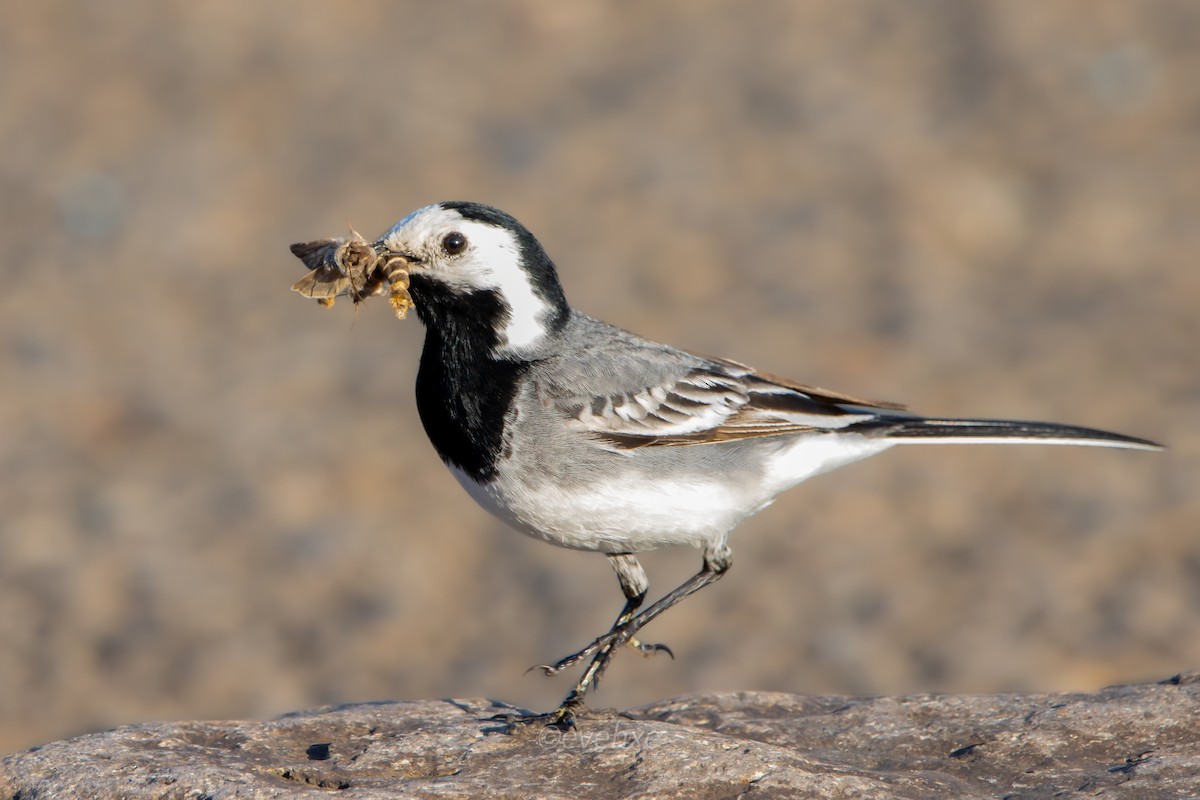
x=561, y=718
x=614, y=638
x=575, y=658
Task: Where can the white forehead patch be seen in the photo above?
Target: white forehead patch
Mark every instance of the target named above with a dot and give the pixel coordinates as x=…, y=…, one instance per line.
x=492, y=261
x=412, y=233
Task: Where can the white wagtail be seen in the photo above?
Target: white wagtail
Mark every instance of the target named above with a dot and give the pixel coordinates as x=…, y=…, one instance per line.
x=587, y=436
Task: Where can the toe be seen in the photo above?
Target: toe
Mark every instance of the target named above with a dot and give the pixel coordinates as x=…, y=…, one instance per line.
x=648, y=649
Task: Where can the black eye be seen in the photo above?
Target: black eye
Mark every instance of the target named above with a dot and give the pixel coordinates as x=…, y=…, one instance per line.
x=454, y=243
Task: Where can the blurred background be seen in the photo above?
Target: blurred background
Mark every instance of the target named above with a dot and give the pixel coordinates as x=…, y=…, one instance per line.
x=217, y=499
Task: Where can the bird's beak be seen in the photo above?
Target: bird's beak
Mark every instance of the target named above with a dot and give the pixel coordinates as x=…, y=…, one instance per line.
x=385, y=254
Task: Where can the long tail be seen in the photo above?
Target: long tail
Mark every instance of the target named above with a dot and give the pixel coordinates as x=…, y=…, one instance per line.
x=917, y=430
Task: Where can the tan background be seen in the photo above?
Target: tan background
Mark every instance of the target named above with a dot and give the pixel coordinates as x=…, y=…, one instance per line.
x=217, y=498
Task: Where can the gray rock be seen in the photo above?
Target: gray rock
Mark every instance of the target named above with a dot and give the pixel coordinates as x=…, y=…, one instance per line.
x=1138, y=741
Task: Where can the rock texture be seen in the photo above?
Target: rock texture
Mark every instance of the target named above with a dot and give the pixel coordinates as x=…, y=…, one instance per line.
x=1140, y=741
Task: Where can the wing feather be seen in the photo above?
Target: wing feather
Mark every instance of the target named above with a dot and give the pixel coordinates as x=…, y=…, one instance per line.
x=716, y=401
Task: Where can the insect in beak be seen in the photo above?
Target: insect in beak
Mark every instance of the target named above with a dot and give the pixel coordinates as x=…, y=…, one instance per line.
x=353, y=267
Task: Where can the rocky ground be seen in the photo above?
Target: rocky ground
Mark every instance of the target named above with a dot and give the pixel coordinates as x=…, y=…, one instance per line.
x=1125, y=742
x=218, y=502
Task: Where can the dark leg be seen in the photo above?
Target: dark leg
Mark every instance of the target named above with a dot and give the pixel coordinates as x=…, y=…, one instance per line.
x=633, y=585
x=717, y=561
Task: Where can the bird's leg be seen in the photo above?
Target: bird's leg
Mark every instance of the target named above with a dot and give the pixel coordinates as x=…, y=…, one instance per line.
x=633, y=585
x=717, y=561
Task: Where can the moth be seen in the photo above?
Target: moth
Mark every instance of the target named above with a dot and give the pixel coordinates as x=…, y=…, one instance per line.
x=353, y=267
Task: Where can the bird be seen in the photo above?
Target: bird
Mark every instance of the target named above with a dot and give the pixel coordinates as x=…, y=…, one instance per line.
x=587, y=436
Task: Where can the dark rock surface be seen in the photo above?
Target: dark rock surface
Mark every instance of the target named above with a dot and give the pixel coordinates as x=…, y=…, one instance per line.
x=1138, y=741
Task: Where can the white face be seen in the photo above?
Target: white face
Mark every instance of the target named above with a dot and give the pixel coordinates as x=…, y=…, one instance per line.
x=468, y=255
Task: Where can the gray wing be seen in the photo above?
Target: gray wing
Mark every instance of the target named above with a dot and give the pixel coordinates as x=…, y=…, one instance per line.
x=627, y=393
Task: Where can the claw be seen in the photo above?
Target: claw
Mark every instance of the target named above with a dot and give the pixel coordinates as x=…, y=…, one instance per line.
x=559, y=666
x=650, y=649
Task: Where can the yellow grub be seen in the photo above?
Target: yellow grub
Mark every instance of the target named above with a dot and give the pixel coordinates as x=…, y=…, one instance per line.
x=401, y=303
x=397, y=278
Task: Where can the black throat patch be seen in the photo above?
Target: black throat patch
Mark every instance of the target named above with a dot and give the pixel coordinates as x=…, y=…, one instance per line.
x=463, y=393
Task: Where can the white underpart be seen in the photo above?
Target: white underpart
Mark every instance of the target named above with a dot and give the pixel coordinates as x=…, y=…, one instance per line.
x=619, y=515
x=630, y=514
x=808, y=456
x=492, y=261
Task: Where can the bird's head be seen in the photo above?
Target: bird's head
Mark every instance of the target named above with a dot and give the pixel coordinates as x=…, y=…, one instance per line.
x=474, y=266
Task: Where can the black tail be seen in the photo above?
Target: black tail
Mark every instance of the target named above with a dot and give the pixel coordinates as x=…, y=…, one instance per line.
x=948, y=431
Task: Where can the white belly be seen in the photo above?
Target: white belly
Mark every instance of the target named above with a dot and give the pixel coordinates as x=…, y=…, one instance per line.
x=631, y=511
x=616, y=516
